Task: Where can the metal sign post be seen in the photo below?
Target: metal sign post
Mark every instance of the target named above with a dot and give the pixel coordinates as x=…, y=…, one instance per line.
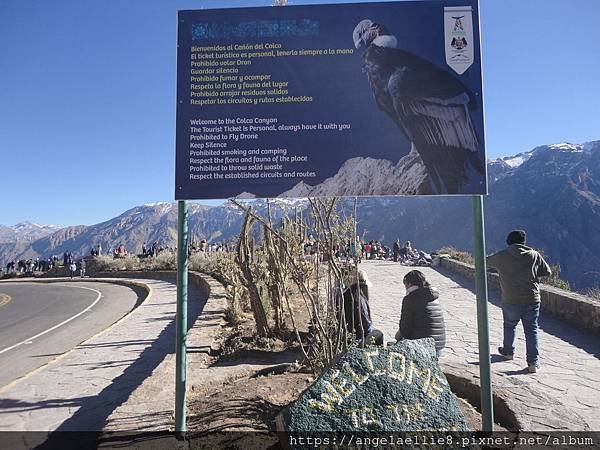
x=252, y=120
x=181, y=318
x=487, y=409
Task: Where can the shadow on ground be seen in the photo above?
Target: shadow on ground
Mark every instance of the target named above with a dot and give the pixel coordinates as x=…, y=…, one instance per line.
x=259, y=357
x=92, y=411
x=551, y=324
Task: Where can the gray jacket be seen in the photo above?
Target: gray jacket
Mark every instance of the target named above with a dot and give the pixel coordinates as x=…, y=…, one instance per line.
x=519, y=268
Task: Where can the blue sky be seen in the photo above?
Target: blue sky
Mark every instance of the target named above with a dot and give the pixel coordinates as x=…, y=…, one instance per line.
x=87, y=110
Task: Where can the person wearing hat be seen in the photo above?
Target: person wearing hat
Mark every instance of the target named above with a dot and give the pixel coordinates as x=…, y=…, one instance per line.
x=519, y=269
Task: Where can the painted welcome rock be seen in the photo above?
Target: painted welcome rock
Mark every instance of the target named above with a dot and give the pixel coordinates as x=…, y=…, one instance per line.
x=398, y=388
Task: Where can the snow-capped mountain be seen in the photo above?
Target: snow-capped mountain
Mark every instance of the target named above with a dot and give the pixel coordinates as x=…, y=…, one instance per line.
x=554, y=194
x=517, y=160
x=25, y=232
x=365, y=176
x=552, y=191
x=152, y=222
x=368, y=176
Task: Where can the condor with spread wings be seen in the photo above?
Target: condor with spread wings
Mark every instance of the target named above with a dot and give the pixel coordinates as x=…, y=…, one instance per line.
x=429, y=105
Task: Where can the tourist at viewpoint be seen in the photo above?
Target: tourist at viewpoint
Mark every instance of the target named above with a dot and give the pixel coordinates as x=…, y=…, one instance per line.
x=72, y=269
x=396, y=250
x=520, y=268
x=355, y=302
x=421, y=315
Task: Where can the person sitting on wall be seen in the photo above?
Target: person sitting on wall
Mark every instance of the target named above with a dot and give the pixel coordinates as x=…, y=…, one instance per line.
x=121, y=252
x=357, y=312
x=406, y=252
x=421, y=315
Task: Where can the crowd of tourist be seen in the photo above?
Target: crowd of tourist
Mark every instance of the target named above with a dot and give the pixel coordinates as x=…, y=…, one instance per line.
x=519, y=267
x=32, y=266
x=405, y=254
x=29, y=266
x=207, y=247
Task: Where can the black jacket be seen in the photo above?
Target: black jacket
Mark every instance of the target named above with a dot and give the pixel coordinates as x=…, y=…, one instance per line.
x=357, y=311
x=422, y=317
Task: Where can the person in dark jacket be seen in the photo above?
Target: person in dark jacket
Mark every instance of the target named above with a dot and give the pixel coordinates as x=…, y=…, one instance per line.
x=421, y=314
x=357, y=312
x=520, y=269
x=396, y=250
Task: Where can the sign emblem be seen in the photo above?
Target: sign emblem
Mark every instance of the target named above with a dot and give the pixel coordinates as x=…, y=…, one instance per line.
x=459, y=43
x=458, y=31
x=458, y=24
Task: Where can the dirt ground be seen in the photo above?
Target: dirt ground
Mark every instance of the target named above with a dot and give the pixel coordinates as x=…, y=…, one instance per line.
x=240, y=411
x=252, y=403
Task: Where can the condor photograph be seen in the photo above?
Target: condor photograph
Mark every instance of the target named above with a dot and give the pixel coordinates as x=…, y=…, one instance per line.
x=330, y=100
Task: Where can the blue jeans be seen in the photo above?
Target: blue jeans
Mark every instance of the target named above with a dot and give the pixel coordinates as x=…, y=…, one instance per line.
x=528, y=314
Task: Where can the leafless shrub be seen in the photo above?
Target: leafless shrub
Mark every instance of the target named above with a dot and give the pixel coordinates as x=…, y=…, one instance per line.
x=279, y=264
x=456, y=254
x=593, y=293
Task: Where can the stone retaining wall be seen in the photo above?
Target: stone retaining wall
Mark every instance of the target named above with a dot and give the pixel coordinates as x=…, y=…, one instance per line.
x=203, y=337
x=574, y=308
x=513, y=402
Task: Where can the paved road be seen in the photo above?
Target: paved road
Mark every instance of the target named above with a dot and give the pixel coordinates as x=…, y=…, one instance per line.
x=81, y=390
x=39, y=322
x=570, y=370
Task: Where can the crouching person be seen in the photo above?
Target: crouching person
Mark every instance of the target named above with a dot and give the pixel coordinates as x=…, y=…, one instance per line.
x=421, y=314
x=357, y=312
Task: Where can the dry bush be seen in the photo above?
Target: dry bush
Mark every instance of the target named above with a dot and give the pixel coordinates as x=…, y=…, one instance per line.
x=165, y=260
x=277, y=266
x=555, y=280
x=223, y=267
x=458, y=255
x=111, y=264
x=593, y=293
x=212, y=263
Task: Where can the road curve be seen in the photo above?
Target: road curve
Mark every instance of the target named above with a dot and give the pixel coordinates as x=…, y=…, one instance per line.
x=40, y=321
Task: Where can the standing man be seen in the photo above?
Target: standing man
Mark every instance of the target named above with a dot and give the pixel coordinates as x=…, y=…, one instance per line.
x=520, y=268
x=396, y=250
x=72, y=269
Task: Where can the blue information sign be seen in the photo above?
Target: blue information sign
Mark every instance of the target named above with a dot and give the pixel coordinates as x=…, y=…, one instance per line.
x=330, y=100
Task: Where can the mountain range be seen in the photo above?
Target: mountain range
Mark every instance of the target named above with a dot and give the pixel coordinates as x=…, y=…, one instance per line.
x=552, y=191
x=25, y=232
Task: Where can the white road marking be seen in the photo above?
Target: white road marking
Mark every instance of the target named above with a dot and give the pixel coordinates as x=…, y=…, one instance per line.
x=29, y=340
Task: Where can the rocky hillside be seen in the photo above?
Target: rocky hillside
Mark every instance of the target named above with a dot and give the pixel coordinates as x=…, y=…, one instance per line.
x=552, y=191
x=25, y=232
x=555, y=195
x=154, y=222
